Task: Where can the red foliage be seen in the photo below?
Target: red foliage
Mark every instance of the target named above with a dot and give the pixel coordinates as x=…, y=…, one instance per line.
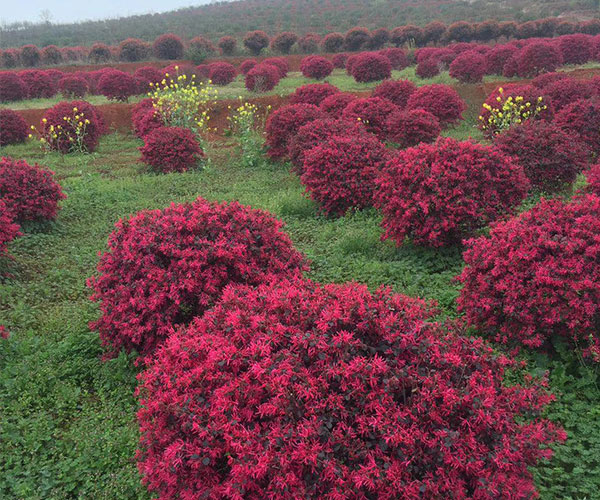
x=428, y=68
x=8, y=232
x=583, y=119
x=13, y=129
x=379, y=37
x=30, y=55
x=247, y=65
x=340, y=174
x=168, y=46
x=433, y=32
x=468, y=67
x=227, y=44
x=309, y=43
x=55, y=75
x=284, y=42
x=280, y=63
x=262, y=78
x=438, y=194
x=592, y=177
x=313, y=93
x=396, y=91
x=255, y=41
x=545, y=79
x=333, y=42
x=440, y=100
x=373, y=112
x=222, y=73
x=316, y=67
x=396, y=56
x=538, y=57
x=202, y=71
x=10, y=58
x=355, y=38
x=497, y=57
x=133, y=49
x=408, y=34
x=146, y=75
x=460, y=31
x=30, y=192
x=307, y=391
x=182, y=257
x=538, y=275
x=444, y=55
x=409, y=128
x=144, y=118
x=71, y=86
x=51, y=54
x=371, y=67
x=284, y=123
x=117, y=85
x=39, y=84
x=203, y=45
x=335, y=104
x=575, y=49
x=566, y=91
x=171, y=149
x=550, y=156
x=339, y=60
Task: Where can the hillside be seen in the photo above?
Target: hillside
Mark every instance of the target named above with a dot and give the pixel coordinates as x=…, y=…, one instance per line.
x=301, y=16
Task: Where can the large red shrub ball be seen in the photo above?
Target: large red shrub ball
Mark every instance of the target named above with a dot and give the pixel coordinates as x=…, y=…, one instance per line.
x=12, y=87
x=550, y=156
x=51, y=54
x=440, y=100
x=284, y=123
x=371, y=67
x=145, y=118
x=468, y=67
x=582, y=118
x=372, y=112
x=262, y=78
x=255, y=41
x=545, y=79
x=538, y=57
x=146, y=75
x=428, y=68
x=55, y=75
x=316, y=67
x=30, y=55
x=168, y=46
x=10, y=58
x=171, y=149
x=335, y=104
x=222, y=73
x=280, y=63
x=39, y=83
x=181, y=258
x=340, y=174
x=319, y=392
x=339, y=60
x=227, y=45
x=117, y=85
x=575, y=49
x=313, y=93
x=133, y=49
x=438, y=194
x=71, y=86
x=497, y=57
x=407, y=128
x=396, y=91
x=333, y=42
x=566, y=91
x=396, y=56
x=247, y=65
x=538, y=275
x=99, y=53
x=13, y=128
x=29, y=191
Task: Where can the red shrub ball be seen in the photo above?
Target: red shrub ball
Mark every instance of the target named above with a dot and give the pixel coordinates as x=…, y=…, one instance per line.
x=468, y=67
x=313, y=93
x=356, y=38
x=316, y=67
x=55, y=75
x=247, y=65
x=440, y=100
x=371, y=67
x=145, y=118
x=182, y=257
x=262, y=78
x=545, y=79
x=396, y=56
x=202, y=46
x=284, y=123
x=497, y=57
x=396, y=91
x=575, y=49
x=8, y=229
x=51, y=54
x=333, y=42
x=99, y=53
x=566, y=91
x=133, y=49
x=339, y=61
x=309, y=43
x=13, y=129
x=306, y=391
x=373, y=112
x=72, y=86
x=117, y=85
x=222, y=73
x=30, y=192
x=93, y=131
x=428, y=68
x=202, y=71
x=538, y=275
x=550, y=156
x=227, y=45
x=39, y=84
x=255, y=41
x=30, y=55
x=335, y=104
x=538, y=57
x=317, y=132
x=12, y=87
x=340, y=174
x=146, y=75
x=168, y=46
x=10, y=58
x=438, y=194
x=284, y=42
x=582, y=118
x=409, y=128
x=171, y=149
x=280, y=63
x=592, y=176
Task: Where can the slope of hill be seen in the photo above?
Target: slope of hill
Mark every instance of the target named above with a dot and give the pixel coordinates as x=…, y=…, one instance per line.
x=235, y=18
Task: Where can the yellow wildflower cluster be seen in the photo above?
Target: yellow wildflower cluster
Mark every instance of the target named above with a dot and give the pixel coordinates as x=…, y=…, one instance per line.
x=69, y=137
x=510, y=111
x=246, y=122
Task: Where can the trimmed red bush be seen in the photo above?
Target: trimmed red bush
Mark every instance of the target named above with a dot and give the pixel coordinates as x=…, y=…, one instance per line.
x=133, y=49
x=550, y=156
x=280, y=63
x=396, y=56
x=117, y=85
x=355, y=38
x=255, y=41
x=71, y=86
x=428, y=68
x=277, y=387
x=51, y=54
x=440, y=100
x=339, y=60
x=396, y=91
x=10, y=58
x=371, y=67
x=575, y=49
x=468, y=67
x=409, y=128
x=247, y=65
x=146, y=75
x=566, y=91
x=262, y=78
x=545, y=79
x=39, y=84
x=340, y=174
x=373, y=112
x=333, y=42
x=222, y=73
x=538, y=57
x=171, y=149
x=583, y=119
x=55, y=75
x=203, y=46
x=497, y=57
x=202, y=71
x=309, y=43
x=183, y=257
x=592, y=176
x=13, y=129
x=409, y=34
x=168, y=46
x=144, y=118
x=12, y=87
x=30, y=55
x=8, y=232
x=227, y=44
x=282, y=124
x=538, y=275
x=335, y=104
x=438, y=194
x=313, y=93
x=460, y=31
x=316, y=67
x=379, y=37
x=433, y=32
x=444, y=55
x=54, y=116
x=29, y=191
x=284, y=42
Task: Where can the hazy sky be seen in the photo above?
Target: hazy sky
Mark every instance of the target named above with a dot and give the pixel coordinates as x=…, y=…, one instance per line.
x=79, y=10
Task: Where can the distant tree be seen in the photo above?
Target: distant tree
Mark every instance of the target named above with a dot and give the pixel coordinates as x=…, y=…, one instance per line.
x=487, y=30
x=378, y=39
x=356, y=38
x=133, y=49
x=333, y=42
x=227, y=44
x=99, y=53
x=51, y=54
x=527, y=30
x=168, y=46
x=309, y=43
x=284, y=42
x=255, y=41
x=409, y=34
x=460, y=31
x=508, y=28
x=433, y=32
x=30, y=55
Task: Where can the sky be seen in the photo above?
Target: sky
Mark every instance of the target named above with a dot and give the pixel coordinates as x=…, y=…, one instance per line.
x=65, y=11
